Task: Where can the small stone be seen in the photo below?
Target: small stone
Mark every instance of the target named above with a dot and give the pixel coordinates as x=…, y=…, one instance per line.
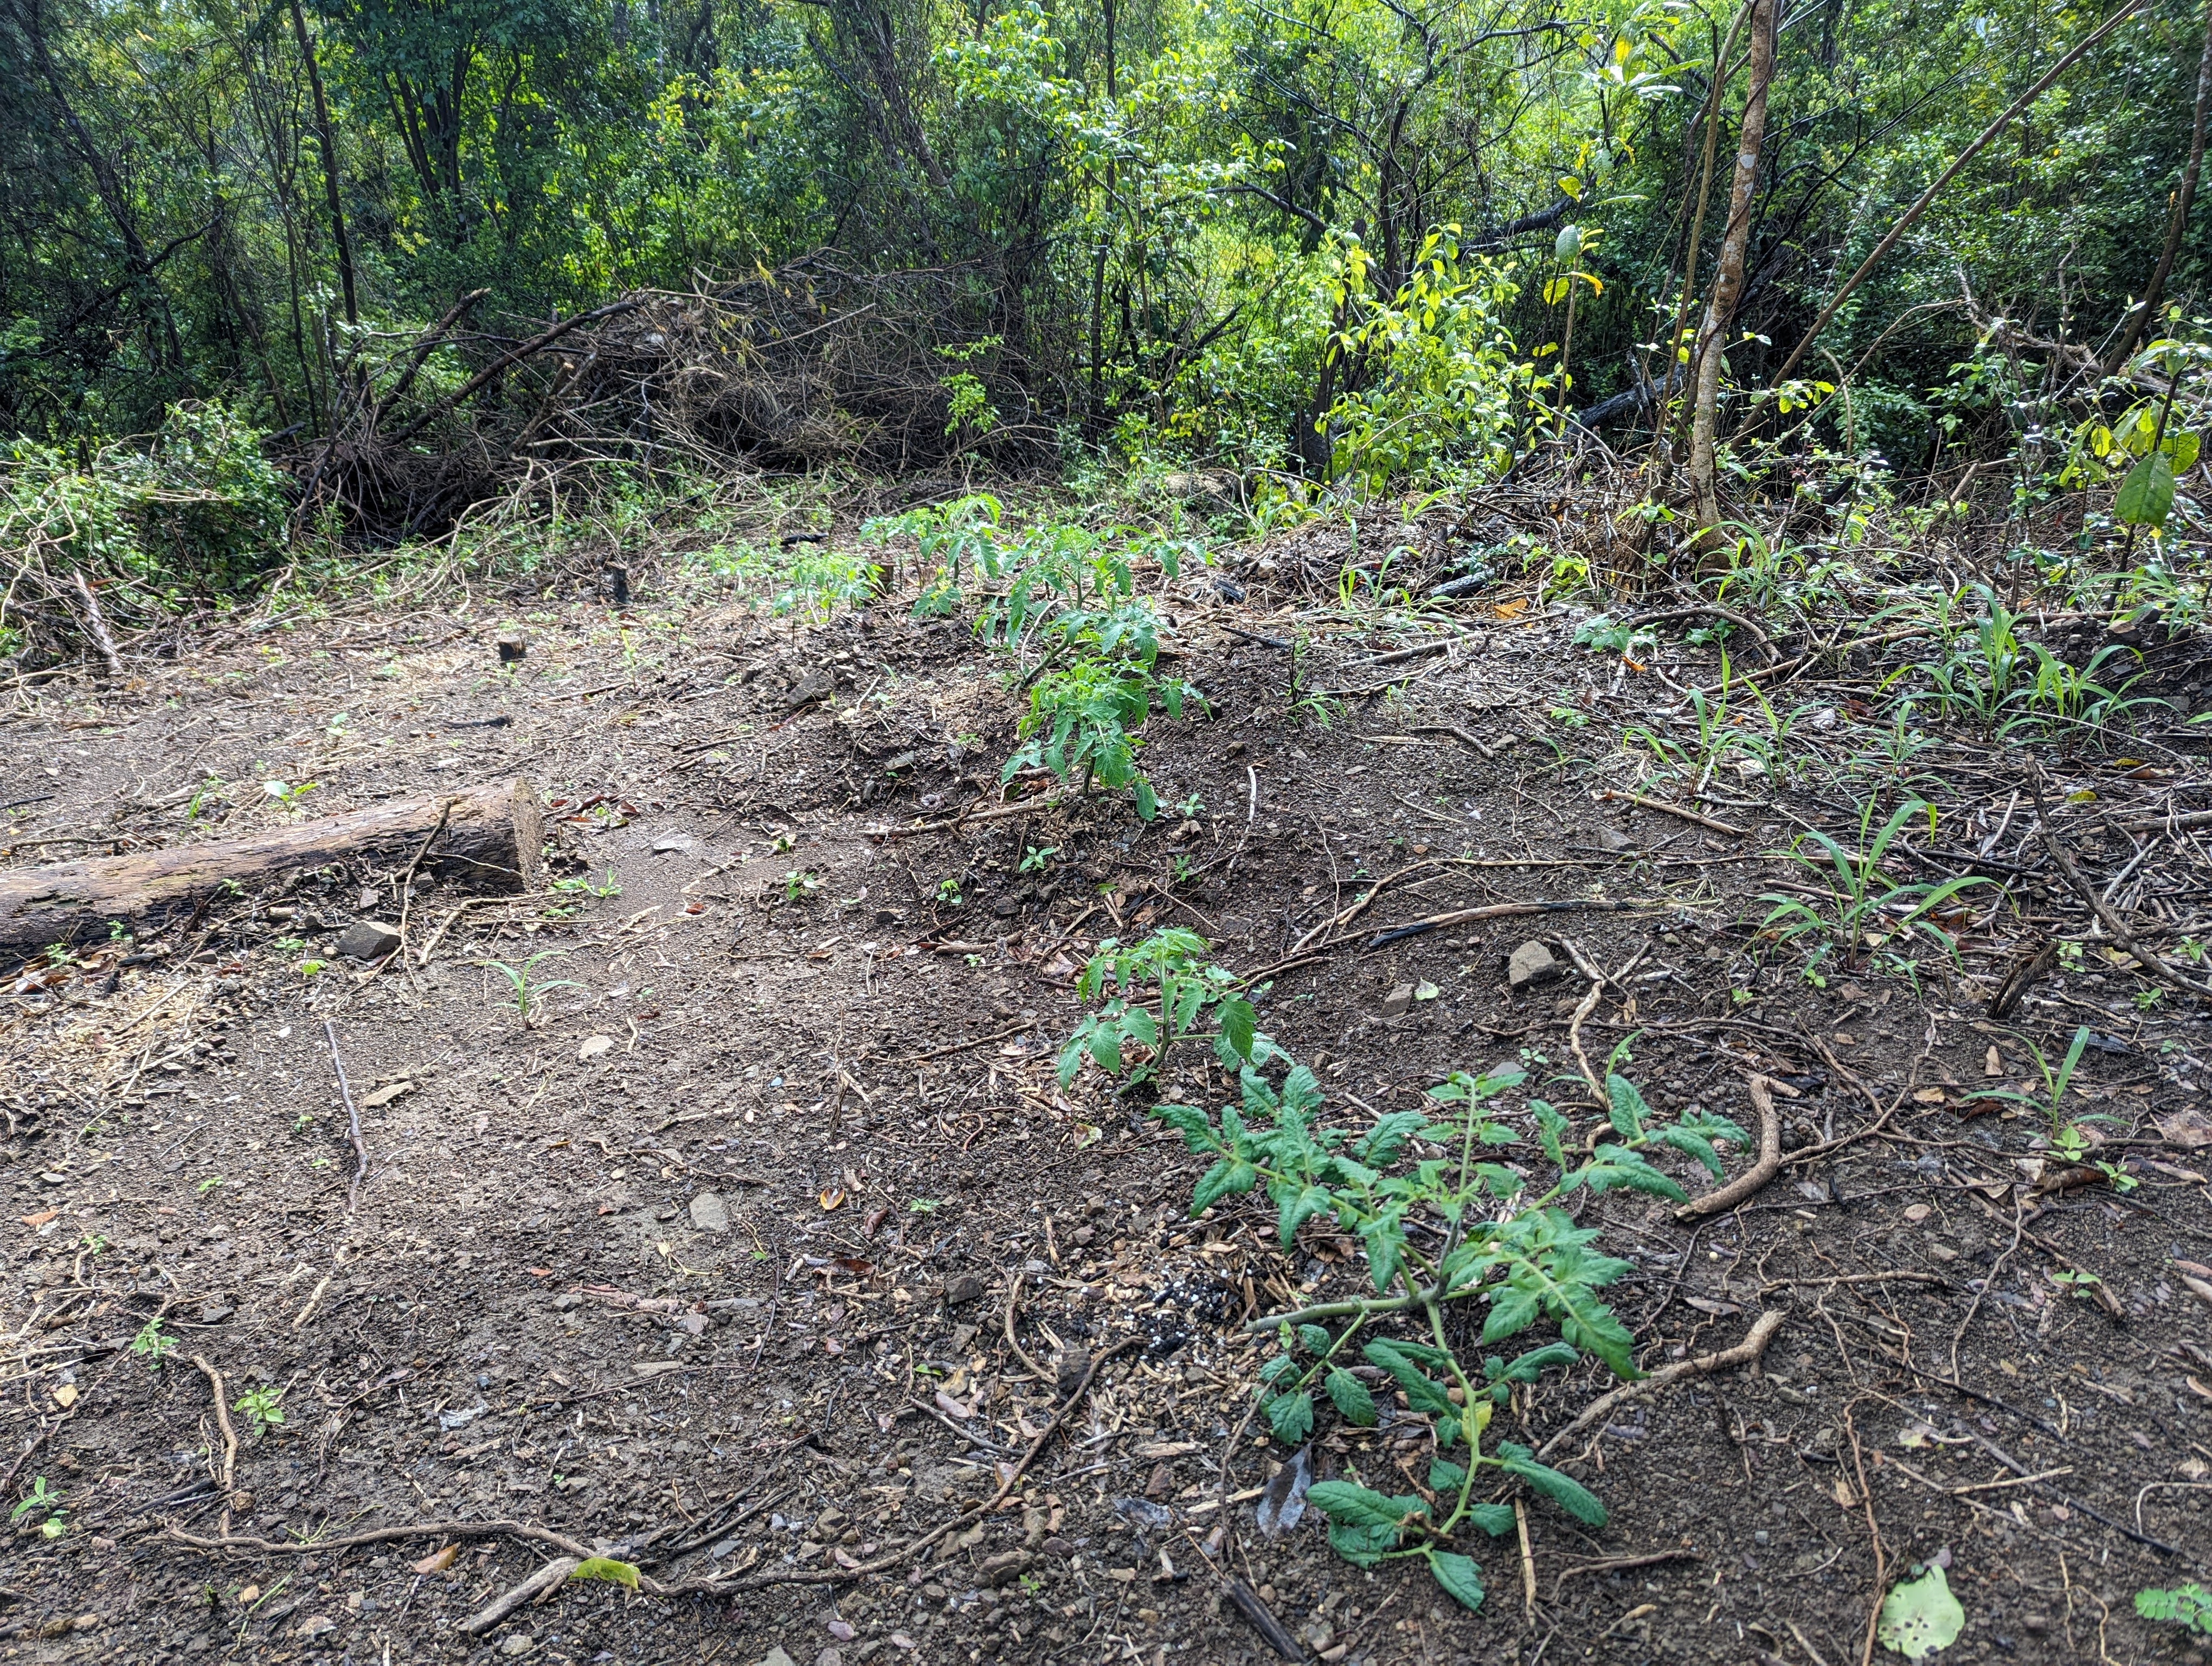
x=1395, y=1004
x=1060, y=1548
x=674, y=844
x=961, y=1289
x=511, y=646
x=370, y=897
x=85, y=1622
x=592, y=1047
x=830, y=1657
x=316, y=1624
x=962, y=1336
x=1531, y=966
x=567, y=1301
x=216, y=1312
x=709, y=1214
x=1068, y=1371
x=1613, y=839
x=521, y=1643
x=368, y=939
x=776, y=1657
x=1006, y=1565
x=815, y=686
x=1162, y=1482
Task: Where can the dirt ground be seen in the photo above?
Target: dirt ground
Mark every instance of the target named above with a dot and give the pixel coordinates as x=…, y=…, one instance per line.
x=775, y=1241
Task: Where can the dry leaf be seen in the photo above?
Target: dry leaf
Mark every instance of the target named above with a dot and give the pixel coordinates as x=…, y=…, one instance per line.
x=1928, y=1096
x=41, y=1218
x=2188, y=1127
x=65, y=1397
x=952, y=1408
x=385, y=1096
x=1845, y=1496
x=833, y=1197
x=1992, y=1065
x=593, y=1046
x=437, y=1561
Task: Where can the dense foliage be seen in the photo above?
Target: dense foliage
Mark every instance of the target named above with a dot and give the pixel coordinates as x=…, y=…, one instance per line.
x=1372, y=240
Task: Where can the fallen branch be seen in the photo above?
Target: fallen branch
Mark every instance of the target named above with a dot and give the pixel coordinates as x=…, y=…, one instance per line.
x=98, y=627
x=1763, y=1089
x=554, y=1573
x=1616, y=795
x=229, y=1436
x=1743, y=1354
x=1013, y=1296
x=1465, y=739
x=353, y=1121
x=1505, y=911
x=1027, y=806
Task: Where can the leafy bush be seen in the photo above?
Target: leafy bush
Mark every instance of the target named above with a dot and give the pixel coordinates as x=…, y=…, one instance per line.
x=1439, y=1223
x=200, y=510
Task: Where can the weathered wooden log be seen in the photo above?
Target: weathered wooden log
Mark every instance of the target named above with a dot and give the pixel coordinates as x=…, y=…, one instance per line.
x=490, y=840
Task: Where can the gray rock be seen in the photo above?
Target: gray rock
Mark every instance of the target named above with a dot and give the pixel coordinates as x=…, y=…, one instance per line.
x=368, y=939
x=963, y=1288
x=1395, y=1004
x=674, y=844
x=1068, y=1369
x=1531, y=967
x=1613, y=839
x=776, y=1657
x=709, y=1214
x=815, y=686
x=216, y=1312
x=567, y=1301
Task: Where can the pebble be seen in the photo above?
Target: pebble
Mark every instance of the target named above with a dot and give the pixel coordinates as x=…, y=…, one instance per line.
x=1531, y=966
x=368, y=939
x=1395, y=1004
x=709, y=1214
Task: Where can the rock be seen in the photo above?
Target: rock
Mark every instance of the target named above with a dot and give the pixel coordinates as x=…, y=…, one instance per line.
x=1613, y=839
x=513, y=646
x=370, y=897
x=776, y=1657
x=316, y=1624
x=674, y=844
x=830, y=1657
x=1399, y=1001
x=1069, y=1369
x=567, y=1301
x=521, y=1642
x=815, y=686
x=216, y=1312
x=368, y=939
x=592, y=1047
x=1006, y=1565
x=1531, y=967
x=963, y=1288
x=709, y=1214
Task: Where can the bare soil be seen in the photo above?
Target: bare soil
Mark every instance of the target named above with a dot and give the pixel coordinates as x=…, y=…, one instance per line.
x=712, y=1267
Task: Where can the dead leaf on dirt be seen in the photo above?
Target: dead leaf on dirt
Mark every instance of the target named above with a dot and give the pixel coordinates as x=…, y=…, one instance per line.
x=2188, y=1127
x=1918, y=1213
x=1993, y=1066
x=658, y=1367
x=1706, y=1304
x=1928, y=1096
x=1845, y=1496
x=1510, y=609
x=385, y=1096
x=41, y=1218
x=65, y=1395
x=593, y=1047
x=952, y=1408
x=1283, y=1501
x=1159, y=1450
x=437, y=1561
x=855, y=1266
x=833, y=1197
x=873, y=1222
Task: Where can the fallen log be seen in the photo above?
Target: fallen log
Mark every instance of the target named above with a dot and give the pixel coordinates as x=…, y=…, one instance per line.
x=490, y=840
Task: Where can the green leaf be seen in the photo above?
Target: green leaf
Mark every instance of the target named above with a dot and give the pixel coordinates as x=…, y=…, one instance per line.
x=1385, y=1239
x=1314, y=1337
x=606, y=1568
x=1495, y=1519
x=1148, y=805
x=1627, y=1110
x=1551, y=1129
x=1423, y=1393
x=1459, y=1576
x=1231, y=1174
x=1299, y=1205
x=1570, y=1494
x=2146, y=497
x=1512, y=1310
x=1446, y=1476
x=2183, y=448
x=1388, y=1137
x=1691, y=1144
x=1237, y=1021
x=1920, y=1616
x=1359, y=1507
x=1191, y=1122
x=1362, y=1544
x=1528, y=1366
x=1106, y=1047
x=1277, y=1368
x=1291, y=1416
x=1351, y=1397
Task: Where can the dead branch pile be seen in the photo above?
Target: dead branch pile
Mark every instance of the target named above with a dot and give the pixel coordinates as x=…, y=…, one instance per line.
x=807, y=367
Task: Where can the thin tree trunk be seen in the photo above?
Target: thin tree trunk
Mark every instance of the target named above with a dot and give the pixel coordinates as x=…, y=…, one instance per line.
x=329, y=149
x=1728, y=280
x=2146, y=311
x=1676, y=357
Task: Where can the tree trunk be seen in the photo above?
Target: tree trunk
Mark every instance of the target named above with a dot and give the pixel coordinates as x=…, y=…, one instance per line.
x=2146, y=310
x=328, y=143
x=490, y=840
x=1728, y=279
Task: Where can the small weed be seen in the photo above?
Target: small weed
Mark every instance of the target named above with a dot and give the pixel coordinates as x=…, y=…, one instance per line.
x=1862, y=896
x=2189, y=1606
x=1034, y=857
x=800, y=881
x=948, y=893
x=290, y=799
x=529, y=993
x=582, y=885
x=151, y=1345
x=263, y=1409
x=41, y=1500
x=211, y=1183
